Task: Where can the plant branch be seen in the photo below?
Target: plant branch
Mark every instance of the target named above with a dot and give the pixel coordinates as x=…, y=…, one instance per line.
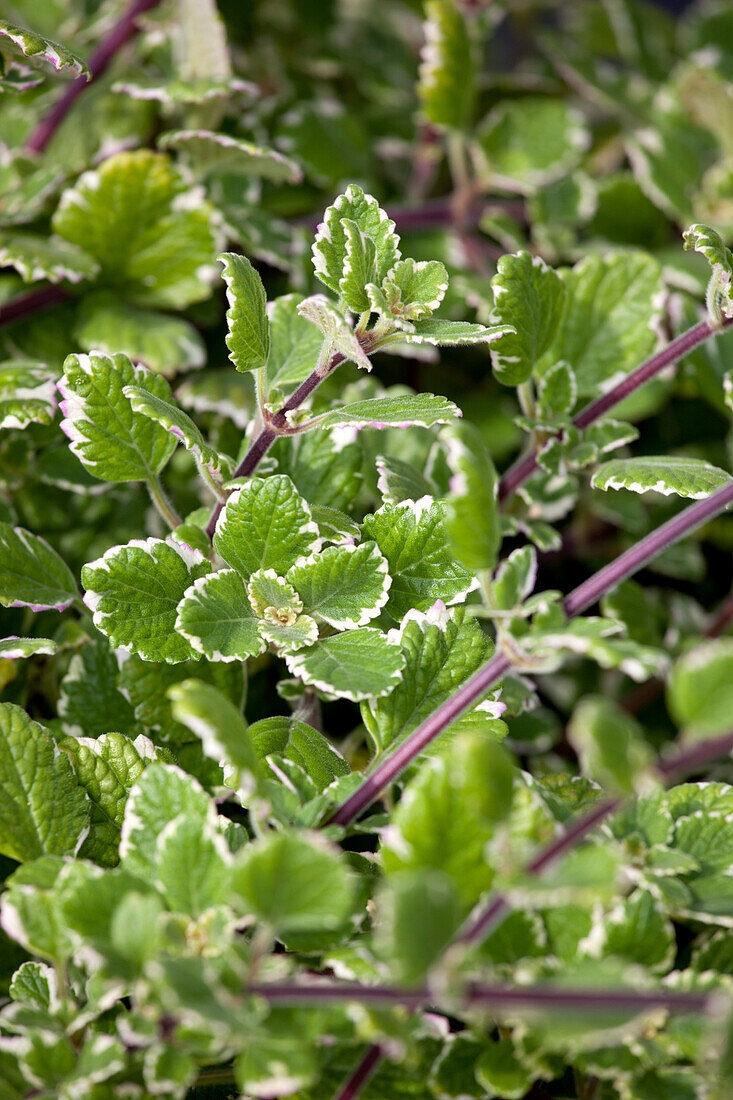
x=33, y=301
x=584, y=596
x=524, y=467
x=678, y=764
x=353, y=1085
x=486, y=995
x=125, y=28
x=278, y=425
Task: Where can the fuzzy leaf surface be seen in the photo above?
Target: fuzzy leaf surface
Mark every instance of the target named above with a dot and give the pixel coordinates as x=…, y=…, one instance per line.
x=359, y=664
x=530, y=296
x=447, y=80
x=175, y=421
x=215, y=616
x=424, y=409
x=36, y=46
x=265, y=525
x=667, y=474
x=248, y=339
x=294, y=343
x=344, y=585
x=330, y=246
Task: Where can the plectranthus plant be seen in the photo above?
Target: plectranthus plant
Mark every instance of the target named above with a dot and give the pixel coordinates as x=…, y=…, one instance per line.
x=334, y=762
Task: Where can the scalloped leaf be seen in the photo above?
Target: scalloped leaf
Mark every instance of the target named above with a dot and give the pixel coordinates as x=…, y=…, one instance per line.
x=412, y=290
x=700, y=689
x=360, y=267
x=441, y=649
x=51, y=258
x=161, y=794
x=703, y=239
x=424, y=409
x=90, y=701
x=164, y=344
x=530, y=296
x=133, y=592
x=359, y=664
x=300, y=743
x=267, y=591
x=289, y=633
x=214, y=615
x=336, y=330
x=448, y=334
x=265, y=525
x=109, y=438
x=27, y=393
x=413, y=538
x=330, y=245
x=530, y=141
x=294, y=343
x=218, y=724
x=611, y=312
x=14, y=648
x=43, y=810
x=447, y=78
x=207, y=151
x=175, y=421
x=665, y=474
x=347, y=586
x=39, y=48
x=248, y=338
x=32, y=574
x=152, y=236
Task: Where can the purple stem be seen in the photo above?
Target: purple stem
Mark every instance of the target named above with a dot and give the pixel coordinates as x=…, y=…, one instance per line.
x=581, y=598
x=31, y=302
x=353, y=1085
x=498, y=996
x=261, y=445
x=122, y=32
x=524, y=467
x=681, y=763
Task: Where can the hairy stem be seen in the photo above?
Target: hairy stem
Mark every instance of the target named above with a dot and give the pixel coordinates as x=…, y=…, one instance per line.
x=524, y=467
x=487, y=995
x=584, y=596
x=122, y=32
x=161, y=502
x=278, y=423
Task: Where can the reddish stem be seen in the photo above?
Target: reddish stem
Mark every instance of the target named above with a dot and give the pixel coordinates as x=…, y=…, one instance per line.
x=524, y=467
x=32, y=302
x=122, y=32
x=583, y=597
x=366, y=1067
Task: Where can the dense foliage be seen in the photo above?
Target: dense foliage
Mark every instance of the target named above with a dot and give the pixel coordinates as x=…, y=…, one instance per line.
x=332, y=763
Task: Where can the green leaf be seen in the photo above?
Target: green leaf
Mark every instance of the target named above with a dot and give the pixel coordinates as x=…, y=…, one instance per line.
x=610, y=744
x=409, y=943
x=665, y=474
x=441, y=650
x=360, y=664
x=294, y=882
x=449, y=813
x=175, y=421
x=530, y=296
x=330, y=247
x=347, y=586
x=31, y=912
x=51, y=258
x=107, y=767
x=413, y=538
x=282, y=1058
x=324, y=469
x=36, y=46
x=265, y=524
x=472, y=511
x=269, y=592
x=637, y=929
x=43, y=810
x=424, y=409
x=360, y=267
x=164, y=344
x=133, y=592
x=27, y=394
x=609, y=324
x=248, y=338
x=90, y=701
x=152, y=236
x=193, y=865
x=700, y=689
x=215, y=616
x=108, y=437
x=448, y=334
x=669, y=158
x=398, y=480
x=558, y=393
x=300, y=743
x=31, y=573
x=447, y=81
x=15, y=648
x=217, y=723
x=208, y=151
x=515, y=579
x=500, y=1071
x=162, y=793
x=288, y=632
x=294, y=343
x=336, y=331
x=529, y=141
x=409, y=292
